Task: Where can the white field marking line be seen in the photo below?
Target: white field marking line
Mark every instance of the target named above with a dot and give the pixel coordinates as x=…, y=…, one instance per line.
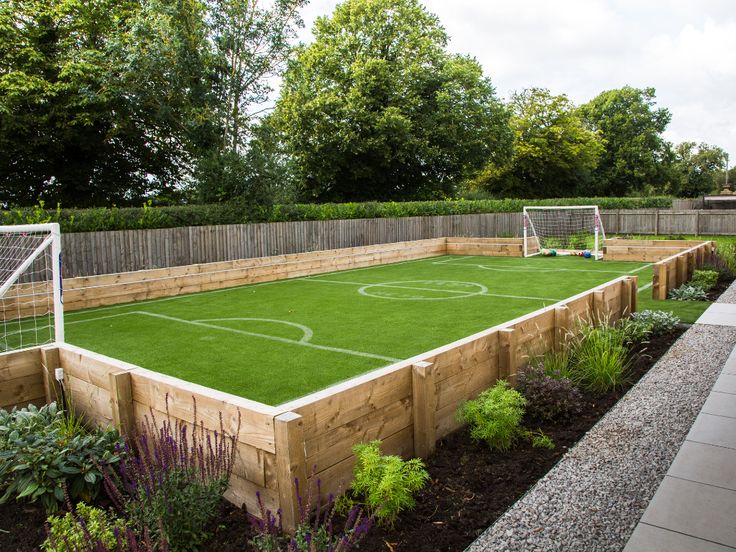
x=97, y=318
x=224, y=290
x=306, y=330
x=271, y=337
x=521, y=268
x=646, y=286
x=469, y=294
x=452, y=258
x=640, y=268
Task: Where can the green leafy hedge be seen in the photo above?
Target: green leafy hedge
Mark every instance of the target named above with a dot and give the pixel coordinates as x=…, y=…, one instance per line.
x=129, y=218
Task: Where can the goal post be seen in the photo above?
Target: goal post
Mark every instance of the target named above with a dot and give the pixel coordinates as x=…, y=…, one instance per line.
x=569, y=230
x=31, y=304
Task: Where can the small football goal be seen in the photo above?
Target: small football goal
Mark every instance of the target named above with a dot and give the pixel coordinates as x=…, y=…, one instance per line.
x=573, y=230
x=30, y=286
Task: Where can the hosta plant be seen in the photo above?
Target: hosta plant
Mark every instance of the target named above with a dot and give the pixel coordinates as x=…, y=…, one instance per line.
x=657, y=322
x=42, y=453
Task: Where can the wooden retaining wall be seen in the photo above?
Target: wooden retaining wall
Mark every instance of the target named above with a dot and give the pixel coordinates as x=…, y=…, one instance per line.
x=675, y=270
x=95, y=253
x=21, y=381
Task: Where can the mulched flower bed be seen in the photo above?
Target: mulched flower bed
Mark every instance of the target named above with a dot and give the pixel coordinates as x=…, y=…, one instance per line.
x=470, y=486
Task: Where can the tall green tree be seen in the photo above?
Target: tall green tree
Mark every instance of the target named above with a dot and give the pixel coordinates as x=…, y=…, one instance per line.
x=554, y=153
x=635, y=156
x=698, y=167
x=375, y=108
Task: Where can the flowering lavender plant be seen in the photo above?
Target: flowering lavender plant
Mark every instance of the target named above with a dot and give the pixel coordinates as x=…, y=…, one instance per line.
x=315, y=531
x=172, y=479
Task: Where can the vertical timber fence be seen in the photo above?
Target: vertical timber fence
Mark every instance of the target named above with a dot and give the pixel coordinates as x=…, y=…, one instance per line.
x=95, y=253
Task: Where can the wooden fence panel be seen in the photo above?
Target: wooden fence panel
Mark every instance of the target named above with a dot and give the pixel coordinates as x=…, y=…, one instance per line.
x=21, y=379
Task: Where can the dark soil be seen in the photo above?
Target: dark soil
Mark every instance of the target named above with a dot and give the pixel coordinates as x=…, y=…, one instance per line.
x=470, y=486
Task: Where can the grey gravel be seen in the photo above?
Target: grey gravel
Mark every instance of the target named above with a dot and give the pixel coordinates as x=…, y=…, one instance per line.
x=594, y=497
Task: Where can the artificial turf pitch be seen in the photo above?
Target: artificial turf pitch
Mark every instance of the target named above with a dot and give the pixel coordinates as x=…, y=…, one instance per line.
x=276, y=341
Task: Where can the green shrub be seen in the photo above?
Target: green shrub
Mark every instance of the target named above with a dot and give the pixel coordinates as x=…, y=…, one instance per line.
x=66, y=534
x=41, y=452
x=600, y=357
x=236, y=212
x=633, y=331
x=657, y=322
x=548, y=397
x=495, y=416
x=540, y=439
x=385, y=483
x=688, y=292
x=706, y=279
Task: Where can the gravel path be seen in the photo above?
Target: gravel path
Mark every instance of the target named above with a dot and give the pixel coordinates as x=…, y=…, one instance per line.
x=594, y=497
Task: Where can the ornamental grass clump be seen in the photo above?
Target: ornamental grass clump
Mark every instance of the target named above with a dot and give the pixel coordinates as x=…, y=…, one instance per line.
x=495, y=416
x=384, y=484
x=600, y=357
x=43, y=452
x=172, y=480
x=315, y=531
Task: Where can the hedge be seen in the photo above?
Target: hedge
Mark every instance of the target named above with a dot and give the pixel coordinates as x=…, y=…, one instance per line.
x=129, y=218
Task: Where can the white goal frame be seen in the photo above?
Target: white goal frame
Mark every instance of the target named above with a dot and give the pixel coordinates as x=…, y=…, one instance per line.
x=52, y=241
x=533, y=242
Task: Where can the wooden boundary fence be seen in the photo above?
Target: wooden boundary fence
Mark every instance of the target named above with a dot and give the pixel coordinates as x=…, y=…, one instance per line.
x=95, y=253
x=408, y=405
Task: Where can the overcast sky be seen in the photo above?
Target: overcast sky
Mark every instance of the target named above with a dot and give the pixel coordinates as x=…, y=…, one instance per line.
x=686, y=49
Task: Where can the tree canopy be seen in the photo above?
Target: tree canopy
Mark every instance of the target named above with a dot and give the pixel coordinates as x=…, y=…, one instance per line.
x=554, y=154
x=699, y=168
x=635, y=154
x=375, y=108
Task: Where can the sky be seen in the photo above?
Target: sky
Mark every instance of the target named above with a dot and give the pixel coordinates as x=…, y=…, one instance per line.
x=685, y=49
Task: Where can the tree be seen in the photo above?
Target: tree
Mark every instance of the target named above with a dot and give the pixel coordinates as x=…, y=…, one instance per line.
x=632, y=130
x=554, y=154
x=376, y=109
x=698, y=168
x=251, y=45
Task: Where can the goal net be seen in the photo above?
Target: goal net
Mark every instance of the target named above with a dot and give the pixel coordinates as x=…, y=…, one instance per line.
x=563, y=230
x=30, y=286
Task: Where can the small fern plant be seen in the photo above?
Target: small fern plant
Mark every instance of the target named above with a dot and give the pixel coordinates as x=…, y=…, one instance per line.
x=385, y=483
x=495, y=416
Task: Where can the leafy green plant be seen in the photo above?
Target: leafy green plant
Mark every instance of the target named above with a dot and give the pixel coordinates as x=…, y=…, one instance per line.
x=41, y=453
x=600, y=357
x=657, y=322
x=384, y=483
x=555, y=363
x=633, y=331
x=688, y=292
x=540, y=439
x=74, y=531
x=495, y=416
x=706, y=279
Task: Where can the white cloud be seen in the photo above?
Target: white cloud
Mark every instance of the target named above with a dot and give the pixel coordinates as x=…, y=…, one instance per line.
x=685, y=49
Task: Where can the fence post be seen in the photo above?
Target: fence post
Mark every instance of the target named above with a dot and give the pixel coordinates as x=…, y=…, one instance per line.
x=121, y=402
x=630, y=295
x=50, y=362
x=507, y=358
x=562, y=326
x=697, y=222
x=656, y=222
x=424, y=405
x=691, y=264
x=599, y=306
x=291, y=465
x=681, y=270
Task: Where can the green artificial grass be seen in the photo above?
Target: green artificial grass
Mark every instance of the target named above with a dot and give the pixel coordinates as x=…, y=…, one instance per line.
x=277, y=341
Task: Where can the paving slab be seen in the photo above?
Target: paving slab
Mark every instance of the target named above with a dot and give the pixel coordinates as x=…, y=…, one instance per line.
x=719, y=314
x=726, y=383
x=695, y=509
x=708, y=464
x=720, y=404
x=647, y=538
x=714, y=430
